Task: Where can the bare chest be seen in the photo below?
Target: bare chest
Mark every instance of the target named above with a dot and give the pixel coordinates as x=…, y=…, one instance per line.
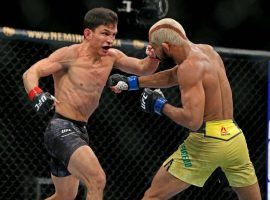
x=88, y=76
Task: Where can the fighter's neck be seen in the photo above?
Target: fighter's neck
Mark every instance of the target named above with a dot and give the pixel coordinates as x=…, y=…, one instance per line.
x=85, y=50
x=180, y=53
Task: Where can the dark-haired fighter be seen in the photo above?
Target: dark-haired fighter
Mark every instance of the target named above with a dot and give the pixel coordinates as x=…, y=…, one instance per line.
x=80, y=73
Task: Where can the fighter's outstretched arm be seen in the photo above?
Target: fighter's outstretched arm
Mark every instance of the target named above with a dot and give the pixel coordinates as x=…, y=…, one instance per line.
x=132, y=65
x=163, y=79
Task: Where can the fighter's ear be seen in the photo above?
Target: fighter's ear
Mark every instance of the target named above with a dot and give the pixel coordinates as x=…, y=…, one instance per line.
x=165, y=47
x=87, y=33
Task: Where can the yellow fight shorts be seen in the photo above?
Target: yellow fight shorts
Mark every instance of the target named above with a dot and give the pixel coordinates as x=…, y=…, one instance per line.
x=221, y=144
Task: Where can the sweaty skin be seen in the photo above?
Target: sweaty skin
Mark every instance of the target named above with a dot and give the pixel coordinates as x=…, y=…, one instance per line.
x=206, y=96
x=205, y=90
x=80, y=73
x=79, y=87
x=203, y=75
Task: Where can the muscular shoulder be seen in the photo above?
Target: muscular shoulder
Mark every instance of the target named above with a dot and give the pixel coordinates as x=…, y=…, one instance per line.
x=116, y=54
x=205, y=47
x=191, y=71
x=64, y=54
x=200, y=56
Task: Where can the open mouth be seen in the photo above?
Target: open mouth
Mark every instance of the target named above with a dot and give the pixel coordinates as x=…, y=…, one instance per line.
x=106, y=47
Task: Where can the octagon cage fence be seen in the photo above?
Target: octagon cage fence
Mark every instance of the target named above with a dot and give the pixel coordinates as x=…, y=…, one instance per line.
x=131, y=145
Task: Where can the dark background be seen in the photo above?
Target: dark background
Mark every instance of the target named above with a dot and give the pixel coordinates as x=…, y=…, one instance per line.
x=129, y=142
x=227, y=23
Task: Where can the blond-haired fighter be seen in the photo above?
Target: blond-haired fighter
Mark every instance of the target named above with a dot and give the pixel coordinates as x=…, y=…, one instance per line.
x=215, y=140
x=80, y=73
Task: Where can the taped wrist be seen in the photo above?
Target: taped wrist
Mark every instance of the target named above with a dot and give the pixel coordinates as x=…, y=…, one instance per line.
x=159, y=104
x=34, y=92
x=133, y=83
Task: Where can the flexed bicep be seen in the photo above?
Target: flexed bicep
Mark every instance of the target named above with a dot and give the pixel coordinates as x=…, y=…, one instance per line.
x=54, y=63
x=43, y=101
x=190, y=114
x=193, y=102
x=47, y=67
x=192, y=93
x=42, y=68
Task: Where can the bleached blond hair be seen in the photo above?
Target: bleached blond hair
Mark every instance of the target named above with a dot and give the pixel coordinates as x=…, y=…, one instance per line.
x=167, y=30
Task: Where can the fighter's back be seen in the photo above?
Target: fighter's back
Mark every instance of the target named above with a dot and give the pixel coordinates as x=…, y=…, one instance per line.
x=218, y=94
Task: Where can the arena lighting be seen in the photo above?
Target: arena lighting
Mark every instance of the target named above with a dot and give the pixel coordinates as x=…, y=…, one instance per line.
x=147, y=12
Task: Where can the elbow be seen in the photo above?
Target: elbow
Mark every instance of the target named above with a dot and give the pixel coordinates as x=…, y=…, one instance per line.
x=30, y=74
x=195, y=125
x=191, y=124
x=145, y=72
x=29, y=77
x=173, y=79
x=150, y=71
x=25, y=75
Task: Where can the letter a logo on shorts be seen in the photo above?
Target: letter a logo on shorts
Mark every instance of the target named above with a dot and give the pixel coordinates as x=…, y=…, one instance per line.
x=223, y=131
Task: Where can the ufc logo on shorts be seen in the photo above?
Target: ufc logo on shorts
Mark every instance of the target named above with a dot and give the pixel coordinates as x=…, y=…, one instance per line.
x=65, y=130
x=40, y=102
x=144, y=97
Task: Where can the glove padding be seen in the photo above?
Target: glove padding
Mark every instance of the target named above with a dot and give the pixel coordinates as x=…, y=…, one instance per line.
x=43, y=102
x=152, y=101
x=118, y=82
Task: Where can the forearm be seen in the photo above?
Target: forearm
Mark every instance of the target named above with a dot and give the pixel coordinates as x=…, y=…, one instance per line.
x=30, y=80
x=140, y=67
x=182, y=117
x=40, y=69
x=163, y=79
x=149, y=66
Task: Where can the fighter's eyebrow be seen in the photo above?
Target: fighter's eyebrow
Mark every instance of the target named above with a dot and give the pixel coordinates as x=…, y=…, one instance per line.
x=107, y=30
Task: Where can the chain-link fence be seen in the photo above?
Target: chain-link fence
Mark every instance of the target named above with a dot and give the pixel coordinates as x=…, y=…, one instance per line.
x=131, y=145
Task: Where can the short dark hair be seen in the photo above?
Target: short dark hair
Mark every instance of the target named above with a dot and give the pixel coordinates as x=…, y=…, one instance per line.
x=99, y=16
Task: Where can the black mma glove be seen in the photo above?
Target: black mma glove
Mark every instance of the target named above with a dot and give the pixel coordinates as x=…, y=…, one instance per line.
x=42, y=102
x=122, y=82
x=152, y=101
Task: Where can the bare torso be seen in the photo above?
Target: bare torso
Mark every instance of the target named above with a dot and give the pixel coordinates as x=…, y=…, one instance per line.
x=78, y=86
x=217, y=90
